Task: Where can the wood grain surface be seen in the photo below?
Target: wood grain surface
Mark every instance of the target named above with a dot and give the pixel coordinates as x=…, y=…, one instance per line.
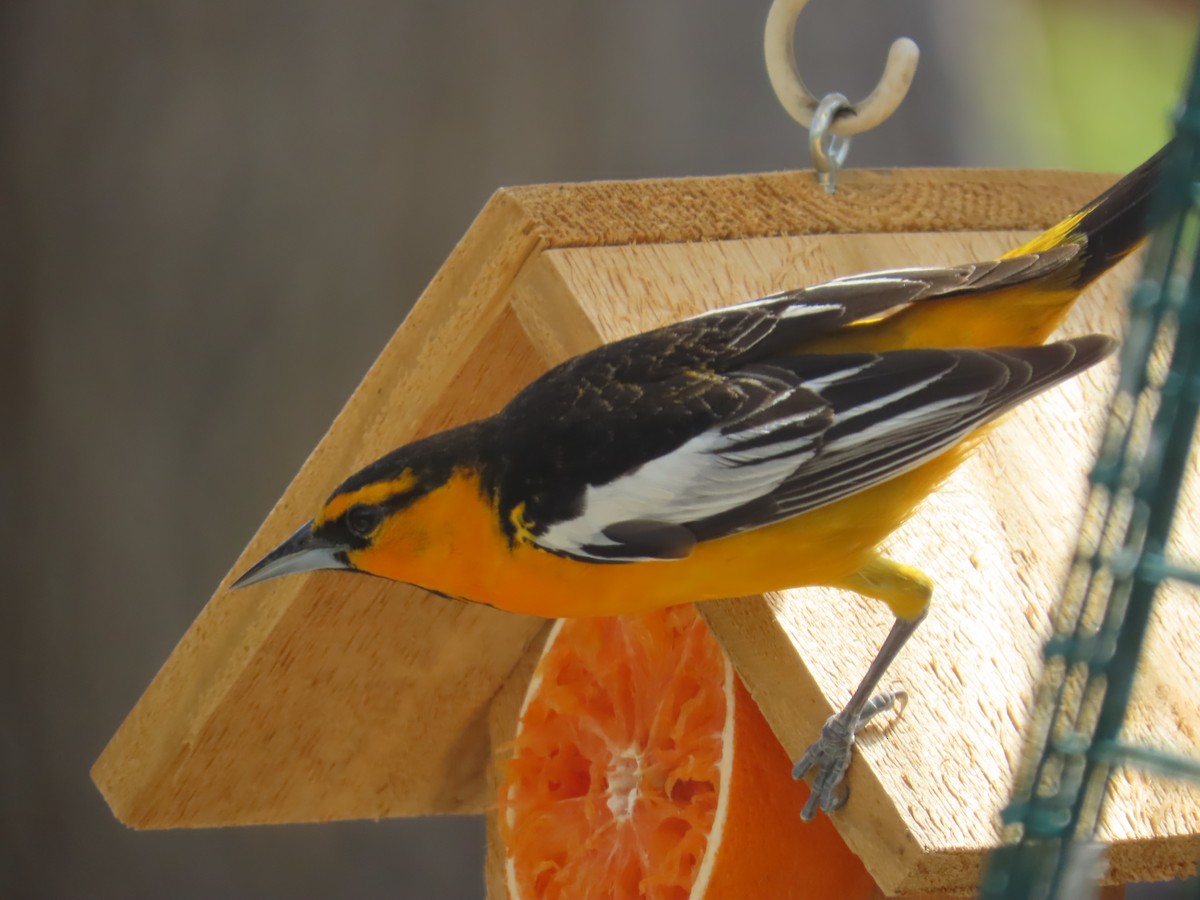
x=328, y=695
x=996, y=540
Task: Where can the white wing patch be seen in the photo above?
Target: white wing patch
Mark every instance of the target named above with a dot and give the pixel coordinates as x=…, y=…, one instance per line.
x=808, y=309
x=748, y=458
x=799, y=308
x=839, y=425
x=707, y=475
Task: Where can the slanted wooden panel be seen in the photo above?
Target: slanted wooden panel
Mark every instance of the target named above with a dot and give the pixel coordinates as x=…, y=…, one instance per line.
x=334, y=696
x=330, y=696
x=996, y=539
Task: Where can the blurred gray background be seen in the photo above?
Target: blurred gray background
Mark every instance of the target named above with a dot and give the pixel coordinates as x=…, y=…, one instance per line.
x=213, y=215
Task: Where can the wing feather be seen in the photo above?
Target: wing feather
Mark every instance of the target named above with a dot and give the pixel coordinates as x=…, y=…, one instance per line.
x=812, y=430
x=798, y=315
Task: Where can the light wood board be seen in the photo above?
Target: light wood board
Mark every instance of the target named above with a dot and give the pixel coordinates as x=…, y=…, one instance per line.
x=328, y=695
x=996, y=540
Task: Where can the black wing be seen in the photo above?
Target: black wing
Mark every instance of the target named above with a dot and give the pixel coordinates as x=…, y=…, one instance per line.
x=804, y=432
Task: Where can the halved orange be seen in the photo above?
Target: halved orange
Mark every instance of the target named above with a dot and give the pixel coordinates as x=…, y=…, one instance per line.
x=642, y=768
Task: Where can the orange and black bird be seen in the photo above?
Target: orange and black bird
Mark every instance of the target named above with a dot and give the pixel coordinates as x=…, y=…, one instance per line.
x=768, y=445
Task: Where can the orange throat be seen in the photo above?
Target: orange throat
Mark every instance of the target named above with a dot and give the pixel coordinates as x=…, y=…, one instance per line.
x=451, y=541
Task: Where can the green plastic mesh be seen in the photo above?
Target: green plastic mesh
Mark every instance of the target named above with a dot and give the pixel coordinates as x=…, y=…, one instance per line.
x=1074, y=741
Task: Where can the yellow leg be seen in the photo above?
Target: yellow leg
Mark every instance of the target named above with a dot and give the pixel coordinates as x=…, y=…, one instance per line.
x=903, y=588
x=907, y=591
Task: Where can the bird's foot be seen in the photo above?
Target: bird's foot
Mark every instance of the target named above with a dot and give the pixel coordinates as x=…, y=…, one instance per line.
x=830, y=754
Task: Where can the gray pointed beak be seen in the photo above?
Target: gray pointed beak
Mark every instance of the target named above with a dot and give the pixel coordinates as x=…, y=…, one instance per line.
x=302, y=552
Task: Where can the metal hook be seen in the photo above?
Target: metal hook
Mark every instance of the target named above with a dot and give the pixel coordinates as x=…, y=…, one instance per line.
x=779, y=49
x=828, y=151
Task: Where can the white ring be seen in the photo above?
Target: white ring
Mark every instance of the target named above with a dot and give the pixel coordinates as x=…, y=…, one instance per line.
x=798, y=100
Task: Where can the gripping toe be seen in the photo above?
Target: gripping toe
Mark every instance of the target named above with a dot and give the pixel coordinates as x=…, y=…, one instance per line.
x=830, y=755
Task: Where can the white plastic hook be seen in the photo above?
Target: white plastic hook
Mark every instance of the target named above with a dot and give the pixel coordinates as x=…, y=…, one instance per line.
x=779, y=49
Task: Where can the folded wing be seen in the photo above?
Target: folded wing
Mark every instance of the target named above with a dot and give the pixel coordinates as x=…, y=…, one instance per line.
x=811, y=430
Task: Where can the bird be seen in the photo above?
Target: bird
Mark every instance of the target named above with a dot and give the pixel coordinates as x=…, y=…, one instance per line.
x=761, y=446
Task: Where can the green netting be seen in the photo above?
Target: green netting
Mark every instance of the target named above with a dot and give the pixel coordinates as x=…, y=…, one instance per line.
x=1074, y=741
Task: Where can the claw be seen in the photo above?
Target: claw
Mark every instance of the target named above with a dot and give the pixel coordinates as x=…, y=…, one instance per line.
x=830, y=755
x=880, y=703
x=828, y=791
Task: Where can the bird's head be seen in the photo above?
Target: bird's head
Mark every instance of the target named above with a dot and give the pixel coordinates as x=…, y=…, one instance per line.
x=376, y=522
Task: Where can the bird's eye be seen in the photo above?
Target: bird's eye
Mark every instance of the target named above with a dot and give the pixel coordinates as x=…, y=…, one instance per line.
x=362, y=520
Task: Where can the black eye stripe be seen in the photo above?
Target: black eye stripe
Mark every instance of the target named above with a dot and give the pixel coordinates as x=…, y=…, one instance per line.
x=361, y=519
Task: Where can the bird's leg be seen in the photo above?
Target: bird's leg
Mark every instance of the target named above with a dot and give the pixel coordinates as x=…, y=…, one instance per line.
x=907, y=592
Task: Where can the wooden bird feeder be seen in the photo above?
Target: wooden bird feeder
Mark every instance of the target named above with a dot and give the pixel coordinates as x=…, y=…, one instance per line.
x=335, y=696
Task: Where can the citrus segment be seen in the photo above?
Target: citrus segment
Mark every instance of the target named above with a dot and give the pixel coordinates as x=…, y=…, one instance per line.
x=642, y=768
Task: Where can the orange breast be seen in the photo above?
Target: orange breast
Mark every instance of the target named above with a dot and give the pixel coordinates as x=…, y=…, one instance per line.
x=451, y=542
